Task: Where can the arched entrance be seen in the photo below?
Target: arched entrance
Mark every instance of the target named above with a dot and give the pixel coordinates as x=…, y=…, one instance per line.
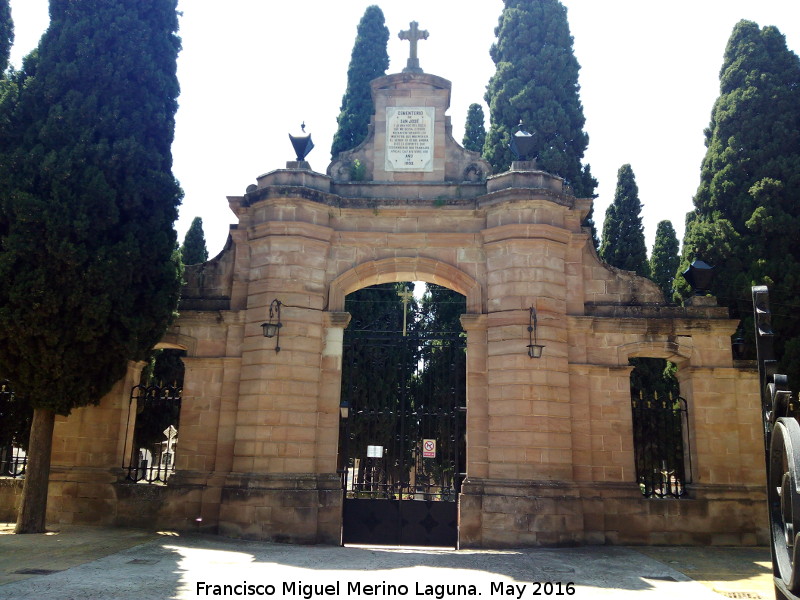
x=402, y=443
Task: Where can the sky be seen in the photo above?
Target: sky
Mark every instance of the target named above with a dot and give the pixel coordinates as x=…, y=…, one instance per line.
x=252, y=70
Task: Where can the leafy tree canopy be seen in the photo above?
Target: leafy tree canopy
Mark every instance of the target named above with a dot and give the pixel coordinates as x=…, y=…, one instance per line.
x=747, y=206
x=623, y=244
x=475, y=130
x=665, y=259
x=369, y=60
x=536, y=84
x=193, y=250
x=87, y=201
x=6, y=34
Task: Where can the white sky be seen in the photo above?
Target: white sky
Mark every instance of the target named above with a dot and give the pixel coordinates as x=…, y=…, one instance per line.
x=252, y=70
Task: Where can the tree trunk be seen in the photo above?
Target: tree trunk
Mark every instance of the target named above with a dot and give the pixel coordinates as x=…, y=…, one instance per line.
x=33, y=506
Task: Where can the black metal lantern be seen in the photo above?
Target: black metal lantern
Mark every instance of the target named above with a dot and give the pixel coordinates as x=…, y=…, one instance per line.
x=302, y=144
x=272, y=328
x=344, y=409
x=699, y=275
x=534, y=349
x=523, y=145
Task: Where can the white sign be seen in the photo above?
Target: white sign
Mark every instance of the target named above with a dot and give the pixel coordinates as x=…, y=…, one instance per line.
x=409, y=138
x=374, y=451
x=428, y=448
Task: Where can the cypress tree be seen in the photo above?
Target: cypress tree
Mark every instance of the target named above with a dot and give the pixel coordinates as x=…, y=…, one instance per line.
x=87, y=200
x=665, y=259
x=475, y=130
x=623, y=244
x=369, y=60
x=193, y=250
x=6, y=34
x=536, y=83
x=747, y=206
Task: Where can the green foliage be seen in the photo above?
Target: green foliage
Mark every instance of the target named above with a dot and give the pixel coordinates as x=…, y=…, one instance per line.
x=193, y=250
x=87, y=200
x=654, y=377
x=369, y=60
x=475, y=130
x=164, y=368
x=747, y=206
x=664, y=260
x=623, y=244
x=536, y=83
x=6, y=34
x=358, y=171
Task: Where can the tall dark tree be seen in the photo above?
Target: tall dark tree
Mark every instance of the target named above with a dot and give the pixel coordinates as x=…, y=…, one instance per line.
x=536, y=83
x=193, y=250
x=87, y=204
x=369, y=60
x=665, y=259
x=623, y=244
x=747, y=207
x=475, y=129
x=6, y=34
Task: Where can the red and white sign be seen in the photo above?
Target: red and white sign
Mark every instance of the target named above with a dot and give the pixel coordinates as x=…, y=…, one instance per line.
x=428, y=448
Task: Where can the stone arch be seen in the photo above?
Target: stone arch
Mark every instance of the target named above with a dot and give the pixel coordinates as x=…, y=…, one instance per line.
x=405, y=269
x=676, y=350
x=177, y=341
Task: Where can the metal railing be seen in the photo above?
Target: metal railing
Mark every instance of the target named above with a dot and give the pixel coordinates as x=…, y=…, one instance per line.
x=152, y=455
x=15, y=423
x=13, y=461
x=661, y=446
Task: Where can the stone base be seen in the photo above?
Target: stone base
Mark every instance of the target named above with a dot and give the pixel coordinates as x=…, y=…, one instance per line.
x=10, y=494
x=307, y=509
x=301, y=508
x=497, y=514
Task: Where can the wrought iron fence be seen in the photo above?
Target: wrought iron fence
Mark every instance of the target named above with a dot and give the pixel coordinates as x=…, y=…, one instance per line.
x=661, y=447
x=15, y=423
x=155, y=434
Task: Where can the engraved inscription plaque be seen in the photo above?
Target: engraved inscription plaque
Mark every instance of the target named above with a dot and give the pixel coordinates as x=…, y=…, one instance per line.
x=409, y=138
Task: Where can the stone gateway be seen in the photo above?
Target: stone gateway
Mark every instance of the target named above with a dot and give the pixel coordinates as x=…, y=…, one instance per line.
x=550, y=452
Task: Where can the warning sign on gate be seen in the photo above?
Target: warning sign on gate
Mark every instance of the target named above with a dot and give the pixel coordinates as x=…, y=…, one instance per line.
x=428, y=448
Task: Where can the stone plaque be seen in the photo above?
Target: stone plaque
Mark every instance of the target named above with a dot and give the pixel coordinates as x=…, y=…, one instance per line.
x=409, y=138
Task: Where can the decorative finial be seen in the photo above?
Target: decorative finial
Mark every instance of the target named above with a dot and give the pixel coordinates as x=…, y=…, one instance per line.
x=413, y=35
x=302, y=144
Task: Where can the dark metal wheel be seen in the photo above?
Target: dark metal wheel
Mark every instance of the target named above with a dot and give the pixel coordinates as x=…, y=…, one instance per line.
x=784, y=500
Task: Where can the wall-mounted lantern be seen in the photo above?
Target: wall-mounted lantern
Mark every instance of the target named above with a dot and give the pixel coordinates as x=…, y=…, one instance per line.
x=272, y=328
x=344, y=409
x=534, y=348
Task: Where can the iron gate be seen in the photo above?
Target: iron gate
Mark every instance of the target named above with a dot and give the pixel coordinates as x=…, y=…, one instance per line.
x=402, y=444
x=661, y=446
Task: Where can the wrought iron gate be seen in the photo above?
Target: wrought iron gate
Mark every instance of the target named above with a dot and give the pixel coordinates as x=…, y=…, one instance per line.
x=661, y=446
x=402, y=444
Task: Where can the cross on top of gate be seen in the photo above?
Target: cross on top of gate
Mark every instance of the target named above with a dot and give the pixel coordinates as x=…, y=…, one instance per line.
x=413, y=35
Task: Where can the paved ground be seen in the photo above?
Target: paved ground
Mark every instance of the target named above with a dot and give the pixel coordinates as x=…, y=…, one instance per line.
x=78, y=562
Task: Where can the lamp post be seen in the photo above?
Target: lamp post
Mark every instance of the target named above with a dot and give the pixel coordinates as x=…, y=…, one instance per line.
x=272, y=328
x=534, y=348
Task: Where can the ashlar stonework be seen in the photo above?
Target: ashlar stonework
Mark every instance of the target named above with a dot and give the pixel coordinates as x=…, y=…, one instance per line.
x=550, y=456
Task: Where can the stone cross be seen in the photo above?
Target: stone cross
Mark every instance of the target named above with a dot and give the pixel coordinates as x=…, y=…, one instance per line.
x=406, y=295
x=413, y=35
